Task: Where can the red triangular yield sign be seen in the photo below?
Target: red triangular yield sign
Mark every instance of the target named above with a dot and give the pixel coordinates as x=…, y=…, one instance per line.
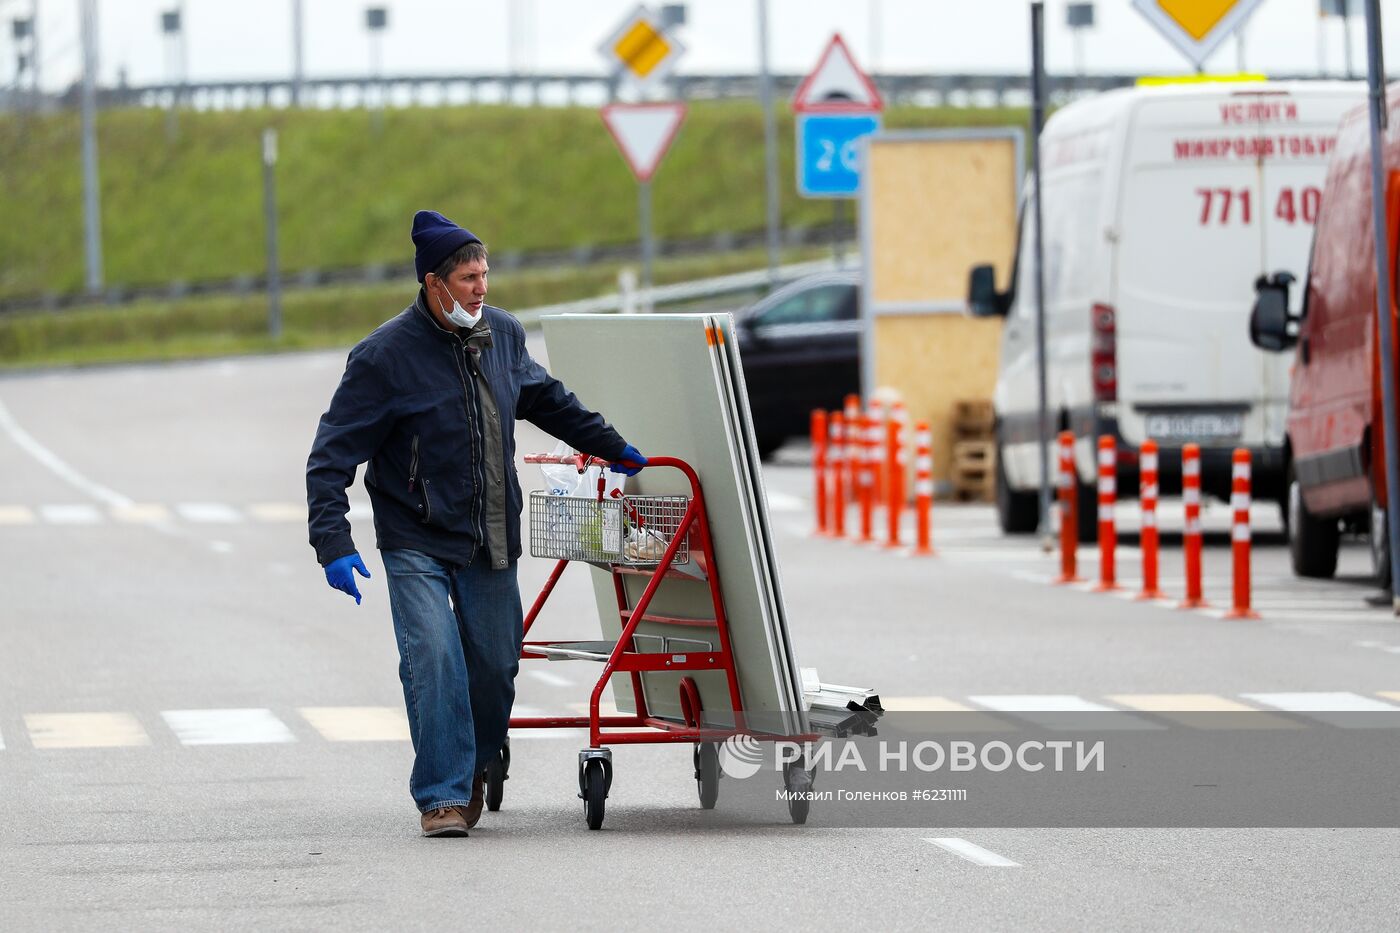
x=837, y=84
x=643, y=132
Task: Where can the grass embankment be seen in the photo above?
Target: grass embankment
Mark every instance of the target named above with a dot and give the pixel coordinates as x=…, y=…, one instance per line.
x=323, y=317
x=189, y=208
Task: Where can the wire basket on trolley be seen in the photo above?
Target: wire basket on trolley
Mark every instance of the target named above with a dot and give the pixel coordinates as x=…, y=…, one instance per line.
x=629, y=530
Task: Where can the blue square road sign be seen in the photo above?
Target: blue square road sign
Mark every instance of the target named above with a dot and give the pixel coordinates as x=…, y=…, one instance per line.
x=828, y=152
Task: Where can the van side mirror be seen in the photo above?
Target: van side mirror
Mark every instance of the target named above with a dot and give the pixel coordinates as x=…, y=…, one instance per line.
x=983, y=299
x=1271, y=327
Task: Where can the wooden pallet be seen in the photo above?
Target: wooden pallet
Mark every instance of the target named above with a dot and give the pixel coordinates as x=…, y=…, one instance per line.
x=974, y=471
x=974, y=418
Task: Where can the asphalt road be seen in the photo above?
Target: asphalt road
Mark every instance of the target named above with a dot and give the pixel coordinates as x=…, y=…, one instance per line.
x=199, y=734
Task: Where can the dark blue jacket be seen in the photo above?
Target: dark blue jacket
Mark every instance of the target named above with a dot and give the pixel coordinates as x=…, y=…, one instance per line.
x=408, y=407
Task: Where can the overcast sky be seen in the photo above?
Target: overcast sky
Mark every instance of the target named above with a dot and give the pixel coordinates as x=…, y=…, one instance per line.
x=252, y=38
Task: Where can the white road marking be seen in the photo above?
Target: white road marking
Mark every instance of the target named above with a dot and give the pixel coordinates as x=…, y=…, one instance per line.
x=278, y=511
x=16, y=515
x=56, y=464
x=358, y=723
x=973, y=853
x=1060, y=711
x=554, y=680
x=1330, y=708
x=221, y=547
x=71, y=514
x=227, y=726
x=360, y=510
x=140, y=513
x=209, y=512
x=85, y=730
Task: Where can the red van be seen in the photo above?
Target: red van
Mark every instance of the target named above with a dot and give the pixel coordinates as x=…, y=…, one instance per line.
x=1333, y=444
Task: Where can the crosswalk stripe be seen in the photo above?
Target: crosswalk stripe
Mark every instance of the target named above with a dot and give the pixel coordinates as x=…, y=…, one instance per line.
x=70, y=514
x=85, y=730
x=1329, y=707
x=278, y=511
x=226, y=726
x=208, y=512
x=1061, y=711
x=140, y=513
x=1186, y=709
x=358, y=723
x=946, y=714
x=1389, y=694
x=16, y=515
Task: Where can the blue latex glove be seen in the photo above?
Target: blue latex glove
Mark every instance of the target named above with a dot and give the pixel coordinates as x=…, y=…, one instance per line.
x=339, y=576
x=630, y=463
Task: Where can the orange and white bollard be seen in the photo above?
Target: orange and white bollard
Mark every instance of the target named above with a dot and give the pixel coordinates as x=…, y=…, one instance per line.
x=1147, y=492
x=876, y=408
x=867, y=480
x=837, y=523
x=1240, y=534
x=1069, y=511
x=1108, y=528
x=853, y=442
x=819, y=444
x=894, y=495
x=1191, y=537
x=923, y=489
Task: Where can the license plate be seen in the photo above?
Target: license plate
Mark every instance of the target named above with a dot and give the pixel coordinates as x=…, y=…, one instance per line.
x=1194, y=426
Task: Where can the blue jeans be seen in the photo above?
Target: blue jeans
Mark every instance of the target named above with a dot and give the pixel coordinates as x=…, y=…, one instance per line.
x=459, y=630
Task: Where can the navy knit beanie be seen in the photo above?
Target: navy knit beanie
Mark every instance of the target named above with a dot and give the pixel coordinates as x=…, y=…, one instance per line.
x=436, y=238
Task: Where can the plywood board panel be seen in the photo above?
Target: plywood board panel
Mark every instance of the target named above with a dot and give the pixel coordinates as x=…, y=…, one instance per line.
x=935, y=207
x=934, y=360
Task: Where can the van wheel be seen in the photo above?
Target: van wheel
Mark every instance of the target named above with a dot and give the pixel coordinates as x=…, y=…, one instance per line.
x=1380, y=546
x=1018, y=513
x=1312, y=541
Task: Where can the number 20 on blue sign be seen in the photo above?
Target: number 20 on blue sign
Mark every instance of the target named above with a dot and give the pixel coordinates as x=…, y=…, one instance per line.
x=828, y=153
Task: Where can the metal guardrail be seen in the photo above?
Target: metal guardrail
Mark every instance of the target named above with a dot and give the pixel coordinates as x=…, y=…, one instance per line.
x=683, y=292
x=374, y=273
x=539, y=89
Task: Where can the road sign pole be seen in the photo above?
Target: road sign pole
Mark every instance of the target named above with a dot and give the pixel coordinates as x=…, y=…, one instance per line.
x=274, y=268
x=837, y=214
x=1037, y=122
x=1375, y=76
x=92, y=201
x=648, y=244
x=770, y=142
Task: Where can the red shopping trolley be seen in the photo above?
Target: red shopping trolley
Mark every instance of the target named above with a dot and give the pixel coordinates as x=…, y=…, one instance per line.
x=658, y=538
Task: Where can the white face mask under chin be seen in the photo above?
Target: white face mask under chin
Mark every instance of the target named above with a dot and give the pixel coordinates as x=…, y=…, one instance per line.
x=458, y=316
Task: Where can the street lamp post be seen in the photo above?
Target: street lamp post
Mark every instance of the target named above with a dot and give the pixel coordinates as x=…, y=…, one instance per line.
x=376, y=21
x=172, y=25
x=1079, y=17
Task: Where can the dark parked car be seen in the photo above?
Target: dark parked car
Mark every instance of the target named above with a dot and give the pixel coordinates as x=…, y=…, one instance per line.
x=801, y=350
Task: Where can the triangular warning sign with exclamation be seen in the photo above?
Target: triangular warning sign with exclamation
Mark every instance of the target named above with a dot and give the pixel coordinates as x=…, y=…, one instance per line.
x=837, y=84
x=643, y=132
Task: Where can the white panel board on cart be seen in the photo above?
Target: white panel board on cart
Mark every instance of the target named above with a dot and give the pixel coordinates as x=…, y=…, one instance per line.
x=658, y=379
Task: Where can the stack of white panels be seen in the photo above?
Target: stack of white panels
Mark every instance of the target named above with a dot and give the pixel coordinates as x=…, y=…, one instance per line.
x=673, y=386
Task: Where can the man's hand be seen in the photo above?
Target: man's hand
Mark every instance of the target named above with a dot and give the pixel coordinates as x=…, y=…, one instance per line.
x=630, y=463
x=339, y=575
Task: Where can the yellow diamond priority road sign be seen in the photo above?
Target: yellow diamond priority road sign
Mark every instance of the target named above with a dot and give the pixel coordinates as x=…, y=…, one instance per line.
x=1197, y=27
x=640, y=48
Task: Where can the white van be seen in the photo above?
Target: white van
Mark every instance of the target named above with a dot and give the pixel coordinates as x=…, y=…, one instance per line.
x=1162, y=206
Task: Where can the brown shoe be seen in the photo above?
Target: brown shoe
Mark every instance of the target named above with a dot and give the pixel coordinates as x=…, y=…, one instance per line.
x=472, y=811
x=445, y=821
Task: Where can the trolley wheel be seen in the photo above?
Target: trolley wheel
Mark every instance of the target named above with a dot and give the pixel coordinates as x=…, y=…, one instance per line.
x=707, y=773
x=595, y=793
x=495, y=784
x=798, y=779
